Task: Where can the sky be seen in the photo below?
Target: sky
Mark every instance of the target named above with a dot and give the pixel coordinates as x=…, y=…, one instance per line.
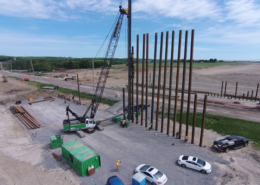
x=224, y=29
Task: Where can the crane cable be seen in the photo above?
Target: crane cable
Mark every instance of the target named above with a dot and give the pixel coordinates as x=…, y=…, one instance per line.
x=105, y=40
x=113, y=26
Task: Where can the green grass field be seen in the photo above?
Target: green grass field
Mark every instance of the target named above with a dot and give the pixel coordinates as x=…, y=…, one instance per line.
x=227, y=126
x=69, y=91
x=40, y=74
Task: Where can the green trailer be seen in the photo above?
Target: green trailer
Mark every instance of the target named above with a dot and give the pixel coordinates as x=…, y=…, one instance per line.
x=80, y=157
x=56, y=141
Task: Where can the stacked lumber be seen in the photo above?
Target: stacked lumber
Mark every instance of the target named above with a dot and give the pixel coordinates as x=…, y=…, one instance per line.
x=26, y=118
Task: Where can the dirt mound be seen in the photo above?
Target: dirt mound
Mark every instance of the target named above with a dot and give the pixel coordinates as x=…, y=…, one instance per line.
x=13, y=91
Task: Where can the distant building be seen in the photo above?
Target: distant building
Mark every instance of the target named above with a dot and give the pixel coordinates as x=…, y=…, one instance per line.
x=61, y=69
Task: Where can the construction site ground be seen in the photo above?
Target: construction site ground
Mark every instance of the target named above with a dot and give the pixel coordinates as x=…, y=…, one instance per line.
x=26, y=157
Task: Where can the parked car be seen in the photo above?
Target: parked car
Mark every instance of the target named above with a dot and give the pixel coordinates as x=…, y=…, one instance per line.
x=25, y=79
x=194, y=163
x=114, y=180
x=230, y=142
x=154, y=176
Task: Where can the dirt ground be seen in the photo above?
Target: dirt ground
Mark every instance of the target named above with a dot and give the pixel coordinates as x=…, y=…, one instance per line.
x=203, y=79
x=20, y=158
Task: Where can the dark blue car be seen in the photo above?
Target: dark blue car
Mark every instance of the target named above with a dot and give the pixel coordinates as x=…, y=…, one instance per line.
x=114, y=180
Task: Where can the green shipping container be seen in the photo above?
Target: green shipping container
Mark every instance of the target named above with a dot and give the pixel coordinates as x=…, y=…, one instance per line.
x=56, y=141
x=116, y=119
x=80, y=156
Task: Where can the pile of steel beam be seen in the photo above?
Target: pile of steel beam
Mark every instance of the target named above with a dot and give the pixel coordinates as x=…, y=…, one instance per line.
x=26, y=118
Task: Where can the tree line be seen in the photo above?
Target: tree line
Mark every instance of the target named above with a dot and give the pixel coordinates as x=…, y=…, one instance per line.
x=52, y=63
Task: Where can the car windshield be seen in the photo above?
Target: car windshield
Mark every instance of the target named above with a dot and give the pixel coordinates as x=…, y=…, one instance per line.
x=185, y=157
x=158, y=175
x=201, y=162
x=229, y=138
x=145, y=167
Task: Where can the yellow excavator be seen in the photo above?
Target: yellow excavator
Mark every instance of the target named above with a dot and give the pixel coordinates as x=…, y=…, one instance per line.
x=70, y=77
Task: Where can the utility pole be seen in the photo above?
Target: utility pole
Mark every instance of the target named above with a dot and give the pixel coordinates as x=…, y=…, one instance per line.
x=11, y=66
x=129, y=60
x=32, y=66
x=78, y=88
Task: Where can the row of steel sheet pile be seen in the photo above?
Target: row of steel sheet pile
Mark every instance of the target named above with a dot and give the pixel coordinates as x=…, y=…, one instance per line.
x=26, y=118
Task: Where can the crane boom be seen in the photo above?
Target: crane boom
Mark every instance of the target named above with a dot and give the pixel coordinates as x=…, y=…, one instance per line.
x=112, y=45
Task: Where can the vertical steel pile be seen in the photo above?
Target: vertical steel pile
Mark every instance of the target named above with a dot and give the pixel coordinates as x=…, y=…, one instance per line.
x=225, y=90
x=203, y=120
x=137, y=73
x=142, y=109
x=236, y=90
x=222, y=88
x=146, y=90
x=132, y=84
x=164, y=79
x=194, y=119
x=177, y=84
x=154, y=73
x=190, y=82
x=159, y=83
x=124, y=102
x=256, y=93
x=170, y=85
x=183, y=82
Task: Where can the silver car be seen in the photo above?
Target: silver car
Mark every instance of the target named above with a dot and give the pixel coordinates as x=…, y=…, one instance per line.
x=194, y=163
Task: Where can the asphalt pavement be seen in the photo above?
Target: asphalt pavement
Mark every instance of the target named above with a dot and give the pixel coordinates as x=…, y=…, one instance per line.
x=133, y=146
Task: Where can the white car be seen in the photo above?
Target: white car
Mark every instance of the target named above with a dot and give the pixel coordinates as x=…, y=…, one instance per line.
x=153, y=175
x=194, y=163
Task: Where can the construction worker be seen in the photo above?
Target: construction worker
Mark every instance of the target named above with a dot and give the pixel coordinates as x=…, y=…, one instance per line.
x=150, y=126
x=186, y=138
x=177, y=135
x=118, y=164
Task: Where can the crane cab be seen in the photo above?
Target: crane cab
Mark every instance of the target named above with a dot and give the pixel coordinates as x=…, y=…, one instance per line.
x=90, y=123
x=74, y=124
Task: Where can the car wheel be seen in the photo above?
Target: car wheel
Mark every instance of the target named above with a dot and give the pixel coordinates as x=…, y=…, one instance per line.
x=183, y=165
x=246, y=144
x=203, y=171
x=153, y=183
x=227, y=150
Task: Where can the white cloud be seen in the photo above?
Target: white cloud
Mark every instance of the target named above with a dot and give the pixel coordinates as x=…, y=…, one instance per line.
x=93, y=5
x=28, y=8
x=55, y=9
x=230, y=34
x=183, y=9
x=244, y=12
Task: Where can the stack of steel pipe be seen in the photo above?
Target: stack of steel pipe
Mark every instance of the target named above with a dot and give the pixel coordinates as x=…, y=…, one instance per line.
x=26, y=118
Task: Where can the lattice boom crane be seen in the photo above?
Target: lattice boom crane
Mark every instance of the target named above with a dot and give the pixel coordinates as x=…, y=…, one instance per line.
x=87, y=122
